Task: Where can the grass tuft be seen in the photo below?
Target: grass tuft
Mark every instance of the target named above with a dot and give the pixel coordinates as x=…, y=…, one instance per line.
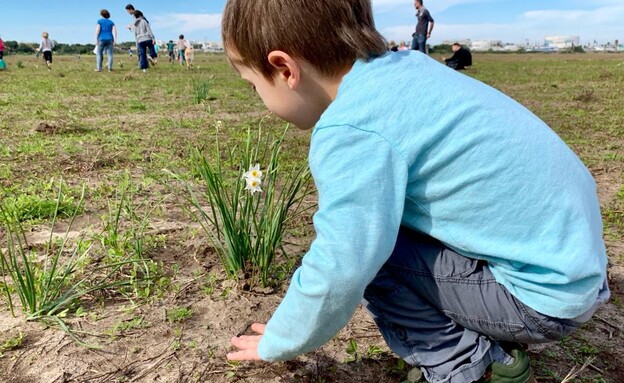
x=49, y=285
x=201, y=90
x=26, y=207
x=247, y=228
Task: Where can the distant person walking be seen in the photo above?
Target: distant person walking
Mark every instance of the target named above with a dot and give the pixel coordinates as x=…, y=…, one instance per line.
x=461, y=59
x=156, y=49
x=105, y=38
x=2, y=63
x=46, y=46
x=144, y=38
x=424, y=27
x=170, y=50
x=182, y=45
x=153, y=55
x=130, y=9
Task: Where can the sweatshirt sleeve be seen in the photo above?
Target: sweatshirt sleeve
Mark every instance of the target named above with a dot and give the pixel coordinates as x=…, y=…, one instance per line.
x=361, y=181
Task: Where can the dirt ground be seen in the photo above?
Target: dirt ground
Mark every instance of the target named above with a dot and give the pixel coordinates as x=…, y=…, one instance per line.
x=153, y=349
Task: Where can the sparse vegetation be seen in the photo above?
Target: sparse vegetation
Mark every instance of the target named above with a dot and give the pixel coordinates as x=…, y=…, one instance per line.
x=36, y=207
x=201, y=90
x=179, y=314
x=11, y=343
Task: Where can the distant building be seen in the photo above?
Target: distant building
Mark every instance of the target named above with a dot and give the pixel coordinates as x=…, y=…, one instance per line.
x=464, y=42
x=562, y=42
x=212, y=47
x=511, y=48
x=486, y=45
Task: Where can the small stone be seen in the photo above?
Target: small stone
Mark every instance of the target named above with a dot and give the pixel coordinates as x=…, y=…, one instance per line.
x=264, y=290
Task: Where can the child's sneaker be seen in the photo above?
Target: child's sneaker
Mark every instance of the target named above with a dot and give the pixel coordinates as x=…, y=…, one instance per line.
x=517, y=372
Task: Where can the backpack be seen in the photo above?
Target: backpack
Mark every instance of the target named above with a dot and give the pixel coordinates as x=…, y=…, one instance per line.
x=3, y=65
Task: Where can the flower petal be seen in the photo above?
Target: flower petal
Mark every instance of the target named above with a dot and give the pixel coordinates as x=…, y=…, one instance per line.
x=253, y=184
x=253, y=172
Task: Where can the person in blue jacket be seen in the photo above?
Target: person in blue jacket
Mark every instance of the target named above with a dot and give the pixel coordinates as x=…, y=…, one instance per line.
x=105, y=38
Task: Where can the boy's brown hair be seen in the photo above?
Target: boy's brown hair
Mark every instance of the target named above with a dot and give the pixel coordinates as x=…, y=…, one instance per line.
x=329, y=34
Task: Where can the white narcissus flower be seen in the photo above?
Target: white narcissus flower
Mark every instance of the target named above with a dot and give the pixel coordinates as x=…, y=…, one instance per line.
x=253, y=172
x=253, y=184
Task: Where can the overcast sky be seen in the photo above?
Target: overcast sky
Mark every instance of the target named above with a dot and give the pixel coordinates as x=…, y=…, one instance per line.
x=511, y=21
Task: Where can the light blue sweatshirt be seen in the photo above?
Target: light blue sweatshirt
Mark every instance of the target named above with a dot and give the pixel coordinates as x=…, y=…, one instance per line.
x=142, y=30
x=411, y=142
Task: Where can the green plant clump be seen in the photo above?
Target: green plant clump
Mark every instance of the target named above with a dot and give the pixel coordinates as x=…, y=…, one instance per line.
x=246, y=221
x=179, y=314
x=201, y=90
x=33, y=207
x=131, y=245
x=49, y=285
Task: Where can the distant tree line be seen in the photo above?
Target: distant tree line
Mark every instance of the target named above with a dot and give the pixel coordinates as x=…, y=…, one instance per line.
x=441, y=48
x=13, y=47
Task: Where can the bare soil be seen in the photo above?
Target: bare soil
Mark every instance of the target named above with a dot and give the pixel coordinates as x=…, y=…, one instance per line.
x=194, y=350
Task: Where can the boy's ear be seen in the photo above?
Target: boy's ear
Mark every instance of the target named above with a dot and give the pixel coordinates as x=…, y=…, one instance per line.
x=286, y=67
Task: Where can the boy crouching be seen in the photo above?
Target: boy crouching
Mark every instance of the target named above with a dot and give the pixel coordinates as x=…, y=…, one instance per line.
x=460, y=219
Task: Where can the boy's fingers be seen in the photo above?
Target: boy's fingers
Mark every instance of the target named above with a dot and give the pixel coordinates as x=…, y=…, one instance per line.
x=247, y=346
x=258, y=327
x=245, y=341
x=243, y=355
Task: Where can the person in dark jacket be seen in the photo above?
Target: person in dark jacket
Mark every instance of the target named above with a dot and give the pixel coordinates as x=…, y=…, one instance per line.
x=461, y=59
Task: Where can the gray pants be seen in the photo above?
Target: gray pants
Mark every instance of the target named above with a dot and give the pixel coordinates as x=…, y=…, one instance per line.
x=445, y=313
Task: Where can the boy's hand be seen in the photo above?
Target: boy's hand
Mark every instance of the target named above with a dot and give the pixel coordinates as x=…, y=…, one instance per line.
x=247, y=345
